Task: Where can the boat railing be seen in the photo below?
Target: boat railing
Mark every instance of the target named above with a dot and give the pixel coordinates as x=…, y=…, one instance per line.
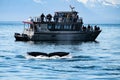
x=58, y=20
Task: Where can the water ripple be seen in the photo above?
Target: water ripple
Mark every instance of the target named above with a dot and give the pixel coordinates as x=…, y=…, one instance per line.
x=86, y=67
x=19, y=56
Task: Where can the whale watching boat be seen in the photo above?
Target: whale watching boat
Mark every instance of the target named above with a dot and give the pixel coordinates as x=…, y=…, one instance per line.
x=63, y=26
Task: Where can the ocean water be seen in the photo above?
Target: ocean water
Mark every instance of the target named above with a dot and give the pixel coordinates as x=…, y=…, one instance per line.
x=99, y=60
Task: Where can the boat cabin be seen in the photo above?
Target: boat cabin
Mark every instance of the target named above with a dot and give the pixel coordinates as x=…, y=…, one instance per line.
x=61, y=21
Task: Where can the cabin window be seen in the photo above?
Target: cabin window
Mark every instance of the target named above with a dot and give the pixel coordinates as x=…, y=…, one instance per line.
x=51, y=26
x=57, y=26
x=68, y=27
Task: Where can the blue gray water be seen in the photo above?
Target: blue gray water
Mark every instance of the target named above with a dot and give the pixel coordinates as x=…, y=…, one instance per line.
x=98, y=60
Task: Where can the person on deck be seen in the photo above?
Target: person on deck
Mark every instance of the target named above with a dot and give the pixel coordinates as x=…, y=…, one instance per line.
x=88, y=28
x=42, y=17
x=49, y=17
x=75, y=17
x=56, y=17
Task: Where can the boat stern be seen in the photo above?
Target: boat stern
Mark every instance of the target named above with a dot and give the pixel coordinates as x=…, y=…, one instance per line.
x=21, y=37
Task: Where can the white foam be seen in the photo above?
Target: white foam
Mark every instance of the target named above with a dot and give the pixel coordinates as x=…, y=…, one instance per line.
x=45, y=57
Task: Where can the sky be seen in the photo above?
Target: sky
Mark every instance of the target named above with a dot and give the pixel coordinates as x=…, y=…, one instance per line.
x=92, y=11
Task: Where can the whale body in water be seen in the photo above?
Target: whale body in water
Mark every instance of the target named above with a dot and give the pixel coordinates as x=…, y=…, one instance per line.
x=35, y=54
x=60, y=54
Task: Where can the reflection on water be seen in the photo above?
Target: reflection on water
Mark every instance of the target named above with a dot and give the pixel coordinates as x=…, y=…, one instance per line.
x=62, y=42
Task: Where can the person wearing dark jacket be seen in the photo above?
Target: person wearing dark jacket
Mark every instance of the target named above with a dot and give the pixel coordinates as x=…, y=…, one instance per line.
x=42, y=17
x=49, y=17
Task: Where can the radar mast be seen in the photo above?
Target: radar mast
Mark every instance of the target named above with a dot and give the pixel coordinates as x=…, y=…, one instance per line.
x=72, y=8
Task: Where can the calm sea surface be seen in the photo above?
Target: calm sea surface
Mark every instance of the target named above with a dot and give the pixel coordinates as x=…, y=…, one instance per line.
x=98, y=60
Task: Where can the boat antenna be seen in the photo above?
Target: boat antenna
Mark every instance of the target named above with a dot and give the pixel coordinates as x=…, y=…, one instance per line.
x=72, y=8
